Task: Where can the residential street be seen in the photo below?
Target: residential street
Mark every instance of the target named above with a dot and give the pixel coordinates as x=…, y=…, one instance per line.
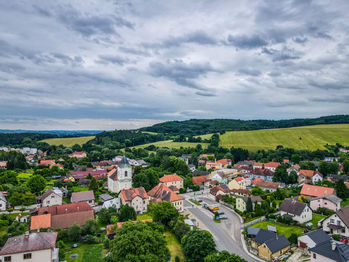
x=227, y=234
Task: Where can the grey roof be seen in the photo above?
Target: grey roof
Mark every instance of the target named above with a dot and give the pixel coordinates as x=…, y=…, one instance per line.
x=272, y=229
x=277, y=243
x=340, y=253
x=124, y=162
x=105, y=197
x=253, y=230
x=331, y=198
x=343, y=214
x=253, y=199
x=318, y=236
x=292, y=207
x=264, y=235
x=82, y=196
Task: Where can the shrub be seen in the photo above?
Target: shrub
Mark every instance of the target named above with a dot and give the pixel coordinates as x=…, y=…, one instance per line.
x=336, y=237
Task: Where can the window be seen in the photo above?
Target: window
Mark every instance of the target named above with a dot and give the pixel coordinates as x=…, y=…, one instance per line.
x=125, y=173
x=7, y=259
x=331, y=220
x=27, y=256
x=52, y=196
x=48, y=202
x=338, y=222
x=325, y=203
x=314, y=255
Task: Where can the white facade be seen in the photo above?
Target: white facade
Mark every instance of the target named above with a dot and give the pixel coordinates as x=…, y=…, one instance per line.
x=139, y=204
x=115, y=202
x=33, y=256
x=316, y=178
x=306, y=240
x=319, y=258
x=3, y=202
x=305, y=216
x=334, y=225
x=123, y=180
x=52, y=200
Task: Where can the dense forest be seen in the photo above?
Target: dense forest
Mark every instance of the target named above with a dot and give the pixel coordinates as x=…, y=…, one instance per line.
x=22, y=139
x=207, y=126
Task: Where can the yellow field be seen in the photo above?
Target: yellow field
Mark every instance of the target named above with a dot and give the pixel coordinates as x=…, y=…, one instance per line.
x=171, y=144
x=69, y=141
x=307, y=137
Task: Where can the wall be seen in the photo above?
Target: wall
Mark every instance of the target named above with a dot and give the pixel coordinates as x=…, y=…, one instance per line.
x=37, y=256
x=315, y=204
x=52, y=200
x=320, y=258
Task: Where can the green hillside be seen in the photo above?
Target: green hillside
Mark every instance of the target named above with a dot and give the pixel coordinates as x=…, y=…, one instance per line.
x=171, y=144
x=307, y=137
x=69, y=141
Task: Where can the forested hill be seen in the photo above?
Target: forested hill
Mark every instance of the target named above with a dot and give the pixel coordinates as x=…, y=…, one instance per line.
x=22, y=139
x=206, y=126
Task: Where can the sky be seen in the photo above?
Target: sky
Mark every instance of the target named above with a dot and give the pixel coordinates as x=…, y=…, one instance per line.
x=115, y=64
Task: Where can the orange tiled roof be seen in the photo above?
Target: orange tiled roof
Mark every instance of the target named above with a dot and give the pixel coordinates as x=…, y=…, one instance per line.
x=130, y=194
x=199, y=180
x=316, y=191
x=47, y=162
x=170, y=178
x=307, y=173
x=224, y=161
x=40, y=221
x=163, y=193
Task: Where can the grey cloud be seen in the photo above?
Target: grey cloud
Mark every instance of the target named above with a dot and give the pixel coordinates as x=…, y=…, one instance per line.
x=246, y=41
x=249, y=71
x=113, y=59
x=282, y=54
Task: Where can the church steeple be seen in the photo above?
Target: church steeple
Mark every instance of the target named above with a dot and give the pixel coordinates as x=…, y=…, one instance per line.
x=124, y=162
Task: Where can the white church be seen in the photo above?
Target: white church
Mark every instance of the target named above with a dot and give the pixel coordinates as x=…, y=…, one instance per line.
x=121, y=178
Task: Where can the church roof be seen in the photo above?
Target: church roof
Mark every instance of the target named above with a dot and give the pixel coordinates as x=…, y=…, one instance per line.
x=113, y=174
x=124, y=162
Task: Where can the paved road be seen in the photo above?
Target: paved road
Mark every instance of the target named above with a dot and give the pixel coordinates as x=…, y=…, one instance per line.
x=227, y=234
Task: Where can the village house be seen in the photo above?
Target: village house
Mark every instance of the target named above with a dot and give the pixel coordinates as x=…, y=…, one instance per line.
x=268, y=244
x=328, y=201
x=78, y=155
x=271, y=165
x=219, y=190
x=240, y=192
x=51, y=197
x=136, y=198
x=201, y=181
x=120, y=178
x=237, y=183
x=47, y=162
x=242, y=201
x=3, y=202
x=224, y=162
x=62, y=216
x=83, y=196
x=309, y=176
x=271, y=186
x=298, y=211
x=162, y=193
x=316, y=191
x=329, y=251
x=313, y=238
x=338, y=223
x=213, y=165
x=34, y=247
x=265, y=174
x=3, y=164
x=174, y=182
x=220, y=176
x=108, y=201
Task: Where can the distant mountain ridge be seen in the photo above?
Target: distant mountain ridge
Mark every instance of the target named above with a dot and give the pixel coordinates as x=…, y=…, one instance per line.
x=53, y=132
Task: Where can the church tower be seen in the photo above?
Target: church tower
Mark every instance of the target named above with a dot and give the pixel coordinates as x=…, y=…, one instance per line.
x=124, y=180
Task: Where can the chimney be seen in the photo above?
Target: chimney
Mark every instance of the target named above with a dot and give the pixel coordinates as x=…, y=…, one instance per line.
x=333, y=244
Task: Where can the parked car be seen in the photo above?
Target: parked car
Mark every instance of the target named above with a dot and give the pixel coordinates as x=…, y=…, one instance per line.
x=223, y=217
x=220, y=213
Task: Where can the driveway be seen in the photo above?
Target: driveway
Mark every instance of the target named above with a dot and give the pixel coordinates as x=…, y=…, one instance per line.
x=227, y=234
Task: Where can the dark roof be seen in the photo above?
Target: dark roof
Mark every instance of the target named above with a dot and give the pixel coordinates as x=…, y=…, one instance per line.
x=318, y=236
x=47, y=193
x=201, y=173
x=264, y=235
x=253, y=199
x=277, y=243
x=292, y=207
x=124, y=162
x=105, y=197
x=343, y=214
x=334, y=199
x=253, y=231
x=340, y=253
x=31, y=242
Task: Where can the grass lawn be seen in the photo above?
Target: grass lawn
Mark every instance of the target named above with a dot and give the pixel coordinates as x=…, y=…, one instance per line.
x=345, y=202
x=144, y=216
x=316, y=219
x=281, y=228
x=171, y=144
x=307, y=137
x=195, y=202
x=174, y=246
x=86, y=253
x=79, y=188
x=68, y=141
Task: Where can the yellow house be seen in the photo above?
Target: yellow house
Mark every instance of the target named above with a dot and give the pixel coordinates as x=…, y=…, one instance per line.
x=241, y=202
x=237, y=183
x=274, y=247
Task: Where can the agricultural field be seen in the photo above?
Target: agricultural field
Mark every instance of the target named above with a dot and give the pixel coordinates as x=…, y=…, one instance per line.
x=68, y=141
x=307, y=137
x=171, y=144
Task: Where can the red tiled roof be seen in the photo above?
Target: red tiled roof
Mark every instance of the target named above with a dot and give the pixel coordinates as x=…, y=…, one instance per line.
x=130, y=194
x=163, y=193
x=199, y=180
x=28, y=243
x=170, y=178
x=224, y=161
x=261, y=183
x=316, y=191
x=262, y=172
x=307, y=173
x=47, y=162
x=272, y=164
x=238, y=179
x=40, y=221
x=65, y=209
x=113, y=174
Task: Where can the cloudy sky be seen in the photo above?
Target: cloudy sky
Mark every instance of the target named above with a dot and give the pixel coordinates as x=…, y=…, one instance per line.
x=106, y=64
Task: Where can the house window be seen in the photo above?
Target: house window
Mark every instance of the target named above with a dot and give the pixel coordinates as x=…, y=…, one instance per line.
x=125, y=173
x=314, y=255
x=331, y=220
x=7, y=259
x=52, y=196
x=48, y=202
x=27, y=256
x=338, y=223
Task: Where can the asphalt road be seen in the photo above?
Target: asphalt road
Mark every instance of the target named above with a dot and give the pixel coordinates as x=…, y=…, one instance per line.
x=227, y=234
